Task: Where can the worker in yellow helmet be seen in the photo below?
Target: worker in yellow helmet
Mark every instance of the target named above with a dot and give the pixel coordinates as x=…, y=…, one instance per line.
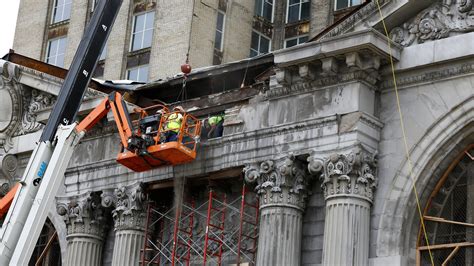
x=216, y=122
x=173, y=124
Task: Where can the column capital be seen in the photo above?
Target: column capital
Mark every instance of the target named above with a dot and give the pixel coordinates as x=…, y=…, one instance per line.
x=83, y=215
x=279, y=183
x=129, y=204
x=349, y=174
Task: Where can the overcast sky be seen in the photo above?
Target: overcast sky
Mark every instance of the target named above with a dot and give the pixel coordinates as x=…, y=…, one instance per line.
x=9, y=9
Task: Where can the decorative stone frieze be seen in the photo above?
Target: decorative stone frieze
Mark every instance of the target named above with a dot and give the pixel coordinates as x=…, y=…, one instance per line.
x=351, y=174
x=279, y=183
x=441, y=20
x=86, y=223
x=283, y=188
x=422, y=77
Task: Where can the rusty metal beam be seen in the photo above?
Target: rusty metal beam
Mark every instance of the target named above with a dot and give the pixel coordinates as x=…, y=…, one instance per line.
x=47, y=68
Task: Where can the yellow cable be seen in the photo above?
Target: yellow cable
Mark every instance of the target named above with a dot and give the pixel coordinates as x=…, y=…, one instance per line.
x=402, y=124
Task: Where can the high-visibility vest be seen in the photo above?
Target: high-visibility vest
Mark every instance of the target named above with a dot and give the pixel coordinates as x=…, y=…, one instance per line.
x=174, y=122
x=214, y=120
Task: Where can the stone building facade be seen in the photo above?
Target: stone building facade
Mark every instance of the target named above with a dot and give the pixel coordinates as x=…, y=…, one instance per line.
x=154, y=37
x=315, y=130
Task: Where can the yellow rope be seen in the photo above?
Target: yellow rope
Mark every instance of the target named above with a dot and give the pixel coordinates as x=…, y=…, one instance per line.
x=402, y=124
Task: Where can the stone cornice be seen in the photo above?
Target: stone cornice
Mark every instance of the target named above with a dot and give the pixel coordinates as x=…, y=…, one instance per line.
x=404, y=80
x=351, y=174
x=282, y=183
x=321, y=83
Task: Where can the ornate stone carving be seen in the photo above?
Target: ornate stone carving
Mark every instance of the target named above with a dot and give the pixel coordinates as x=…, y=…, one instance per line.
x=351, y=174
x=438, y=21
x=8, y=165
x=8, y=168
x=279, y=183
x=84, y=214
x=129, y=203
x=10, y=104
x=34, y=101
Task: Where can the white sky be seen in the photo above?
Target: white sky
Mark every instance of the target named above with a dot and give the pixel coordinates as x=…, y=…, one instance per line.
x=9, y=9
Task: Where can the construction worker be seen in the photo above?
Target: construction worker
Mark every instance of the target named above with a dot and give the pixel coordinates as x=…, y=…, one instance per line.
x=216, y=122
x=173, y=124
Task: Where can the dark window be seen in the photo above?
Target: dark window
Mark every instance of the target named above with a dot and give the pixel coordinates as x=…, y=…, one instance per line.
x=295, y=41
x=219, y=39
x=297, y=10
x=259, y=44
x=264, y=8
x=142, y=31
x=341, y=4
x=61, y=10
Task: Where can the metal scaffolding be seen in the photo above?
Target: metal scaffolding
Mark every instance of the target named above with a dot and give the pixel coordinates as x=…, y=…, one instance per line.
x=218, y=231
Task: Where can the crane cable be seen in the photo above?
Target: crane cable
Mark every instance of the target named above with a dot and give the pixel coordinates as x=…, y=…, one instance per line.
x=402, y=125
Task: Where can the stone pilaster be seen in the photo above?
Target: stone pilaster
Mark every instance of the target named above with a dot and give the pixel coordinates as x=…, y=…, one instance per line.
x=282, y=191
x=86, y=225
x=348, y=185
x=129, y=222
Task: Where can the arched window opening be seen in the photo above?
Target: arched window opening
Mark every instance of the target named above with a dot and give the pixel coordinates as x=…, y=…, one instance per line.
x=47, y=251
x=449, y=216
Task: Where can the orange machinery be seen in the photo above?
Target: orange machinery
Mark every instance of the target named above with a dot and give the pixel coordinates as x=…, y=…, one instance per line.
x=144, y=147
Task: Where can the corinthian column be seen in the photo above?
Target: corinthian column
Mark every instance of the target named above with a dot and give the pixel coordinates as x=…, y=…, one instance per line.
x=282, y=191
x=348, y=185
x=86, y=228
x=129, y=223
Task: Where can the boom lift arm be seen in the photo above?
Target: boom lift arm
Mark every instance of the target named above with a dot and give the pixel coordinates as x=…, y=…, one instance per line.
x=39, y=185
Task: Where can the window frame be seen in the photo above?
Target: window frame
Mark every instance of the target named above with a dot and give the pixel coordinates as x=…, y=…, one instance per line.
x=48, y=49
x=222, y=32
x=262, y=8
x=127, y=72
x=134, y=19
x=297, y=38
x=55, y=7
x=300, y=3
x=261, y=35
x=350, y=4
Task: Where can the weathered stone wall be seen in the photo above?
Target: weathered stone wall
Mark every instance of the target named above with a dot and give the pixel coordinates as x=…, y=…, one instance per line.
x=118, y=43
x=77, y=25
x=203, y=33
x=238, y=30
x=170, y=38
x=30, y=28
x=313, y=227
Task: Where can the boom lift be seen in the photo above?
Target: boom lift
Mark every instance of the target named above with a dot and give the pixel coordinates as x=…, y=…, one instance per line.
x=45, y=170
x=143, y=148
